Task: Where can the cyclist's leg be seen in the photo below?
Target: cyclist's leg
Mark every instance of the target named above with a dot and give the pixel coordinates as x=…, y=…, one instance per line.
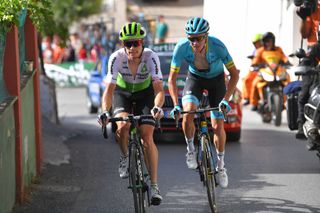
x=145, y=102
x=121, y=107
x=151, y=151
x=190, y=101
x=217, y=90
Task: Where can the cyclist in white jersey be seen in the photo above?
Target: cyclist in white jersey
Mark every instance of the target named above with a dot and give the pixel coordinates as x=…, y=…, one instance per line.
x=134, y=76
x=207, y=56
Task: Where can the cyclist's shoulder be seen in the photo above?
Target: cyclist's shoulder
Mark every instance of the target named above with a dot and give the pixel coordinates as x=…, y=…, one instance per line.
x=215, y=42
x=182, y=43
x=118, y=54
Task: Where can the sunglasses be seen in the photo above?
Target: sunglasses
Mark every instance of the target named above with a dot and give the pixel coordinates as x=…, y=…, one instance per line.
x=129, y=44
x=196, y=39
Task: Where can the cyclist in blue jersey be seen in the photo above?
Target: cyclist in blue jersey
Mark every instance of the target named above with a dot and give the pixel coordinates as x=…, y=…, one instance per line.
x=207, y=56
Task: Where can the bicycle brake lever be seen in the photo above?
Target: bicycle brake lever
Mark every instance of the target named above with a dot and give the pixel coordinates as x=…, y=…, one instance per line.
x=104, y=131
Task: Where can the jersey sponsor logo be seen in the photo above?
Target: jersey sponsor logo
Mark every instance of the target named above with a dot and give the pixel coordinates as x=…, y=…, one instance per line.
x=144, y=68
x=142, y=75
x=112, y=64
x=155, y=65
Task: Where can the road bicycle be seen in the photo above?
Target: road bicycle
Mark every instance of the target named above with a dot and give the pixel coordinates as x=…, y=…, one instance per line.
x=207, y=156
x=139, y=179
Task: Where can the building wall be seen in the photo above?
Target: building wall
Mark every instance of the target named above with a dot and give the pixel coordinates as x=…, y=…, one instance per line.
x=28, y=134
x=7, y=160
x=235, y=25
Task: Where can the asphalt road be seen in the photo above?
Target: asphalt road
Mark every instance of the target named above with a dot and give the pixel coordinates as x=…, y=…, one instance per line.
x=269, y=171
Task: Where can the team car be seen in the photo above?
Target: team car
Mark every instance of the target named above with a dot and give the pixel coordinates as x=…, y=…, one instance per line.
x=96, y=87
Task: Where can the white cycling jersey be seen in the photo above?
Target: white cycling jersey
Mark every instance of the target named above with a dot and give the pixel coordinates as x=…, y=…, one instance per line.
x=148, y=71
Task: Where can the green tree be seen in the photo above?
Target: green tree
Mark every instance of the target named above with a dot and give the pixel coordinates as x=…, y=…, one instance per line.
x=68, y=11
x=49, y=16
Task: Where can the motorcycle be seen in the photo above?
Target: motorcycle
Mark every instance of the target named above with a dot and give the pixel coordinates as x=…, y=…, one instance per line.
x=311, y=127
x=273, y=78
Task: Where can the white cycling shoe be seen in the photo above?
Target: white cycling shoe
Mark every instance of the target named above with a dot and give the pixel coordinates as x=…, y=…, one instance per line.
x=192, y=160
x=223, y=177
x=123, y=167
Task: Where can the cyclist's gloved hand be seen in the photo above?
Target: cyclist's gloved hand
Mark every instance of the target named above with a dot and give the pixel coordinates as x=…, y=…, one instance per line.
x=157, y=112
x=103, y=118
x=224, y=105
x=175, y=111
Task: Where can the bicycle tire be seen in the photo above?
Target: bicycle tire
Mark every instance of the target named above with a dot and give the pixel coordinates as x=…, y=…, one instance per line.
x=209, y=175
x=141, y=181
x=135, y=180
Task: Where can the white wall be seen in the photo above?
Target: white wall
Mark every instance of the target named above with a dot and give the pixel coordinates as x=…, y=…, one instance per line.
x=236, y=21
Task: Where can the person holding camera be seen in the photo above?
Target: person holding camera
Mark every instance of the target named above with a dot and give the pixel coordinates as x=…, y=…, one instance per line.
x=309, y=12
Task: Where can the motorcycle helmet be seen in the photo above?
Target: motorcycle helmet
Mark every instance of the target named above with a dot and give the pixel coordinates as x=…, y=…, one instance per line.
x=268, y=36
x=196, y=25
x=132, y=30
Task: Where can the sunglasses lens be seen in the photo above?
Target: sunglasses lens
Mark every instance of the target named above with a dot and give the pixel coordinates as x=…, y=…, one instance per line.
x=129, y=44
x=196, y=39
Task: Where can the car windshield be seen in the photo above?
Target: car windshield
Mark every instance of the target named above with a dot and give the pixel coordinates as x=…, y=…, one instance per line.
x=165, y=61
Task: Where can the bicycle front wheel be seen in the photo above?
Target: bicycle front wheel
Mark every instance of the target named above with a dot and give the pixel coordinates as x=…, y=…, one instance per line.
x=209, y=176
x=136, y=180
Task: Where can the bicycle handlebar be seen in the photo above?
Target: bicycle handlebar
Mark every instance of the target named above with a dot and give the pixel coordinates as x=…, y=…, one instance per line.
x=129, y=118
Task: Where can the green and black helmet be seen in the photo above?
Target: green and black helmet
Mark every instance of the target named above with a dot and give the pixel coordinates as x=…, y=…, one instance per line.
x=132, y=30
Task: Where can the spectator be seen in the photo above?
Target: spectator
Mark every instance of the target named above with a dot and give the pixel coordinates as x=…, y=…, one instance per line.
x=58, y=51
x=161, y=30
x=47, y=50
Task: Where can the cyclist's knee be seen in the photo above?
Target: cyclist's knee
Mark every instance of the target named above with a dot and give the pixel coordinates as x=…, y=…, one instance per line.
x=218, y=126
x=147, y=140
x=123, y=128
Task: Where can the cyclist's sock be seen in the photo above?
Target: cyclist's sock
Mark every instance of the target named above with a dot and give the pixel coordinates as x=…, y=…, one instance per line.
x=221, y=160
x=124, y=155
x=154, y=185
x=190, y=144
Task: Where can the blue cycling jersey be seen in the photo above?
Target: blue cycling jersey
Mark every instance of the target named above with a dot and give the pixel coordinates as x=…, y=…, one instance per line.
x=216, y=53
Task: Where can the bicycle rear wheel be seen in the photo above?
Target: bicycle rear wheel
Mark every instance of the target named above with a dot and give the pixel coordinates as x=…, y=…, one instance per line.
x=136, y=180
x=208, y=171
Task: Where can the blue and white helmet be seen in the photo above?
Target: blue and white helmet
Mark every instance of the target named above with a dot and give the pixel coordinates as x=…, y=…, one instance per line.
x=196, y=25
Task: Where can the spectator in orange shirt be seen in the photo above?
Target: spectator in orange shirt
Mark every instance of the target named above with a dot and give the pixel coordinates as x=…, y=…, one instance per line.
x=247, y=80
x=268, y=54
x=57, y=50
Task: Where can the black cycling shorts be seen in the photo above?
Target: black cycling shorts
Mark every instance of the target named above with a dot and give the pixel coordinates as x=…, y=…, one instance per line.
x=195, y=85
x=137, y=103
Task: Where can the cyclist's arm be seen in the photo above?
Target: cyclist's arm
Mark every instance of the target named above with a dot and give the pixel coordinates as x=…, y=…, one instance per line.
x=157, y=82
x=159, y=93
x=234, y=77
x=107, y=96
x=173, y=89
x=174, y=70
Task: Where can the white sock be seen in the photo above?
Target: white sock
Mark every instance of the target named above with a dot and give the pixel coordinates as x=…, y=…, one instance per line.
x=190, y=144
x=221, y=160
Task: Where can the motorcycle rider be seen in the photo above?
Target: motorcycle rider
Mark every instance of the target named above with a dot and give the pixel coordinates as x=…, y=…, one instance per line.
x=247, y=80
x=310, y=18
x=268, y=54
